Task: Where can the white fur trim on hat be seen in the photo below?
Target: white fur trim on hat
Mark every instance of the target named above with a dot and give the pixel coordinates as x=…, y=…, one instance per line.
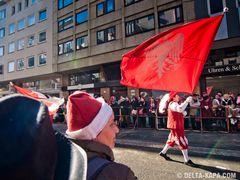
x=96, y=126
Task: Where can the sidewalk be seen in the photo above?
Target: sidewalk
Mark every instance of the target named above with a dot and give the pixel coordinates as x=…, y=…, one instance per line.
x=206, y=144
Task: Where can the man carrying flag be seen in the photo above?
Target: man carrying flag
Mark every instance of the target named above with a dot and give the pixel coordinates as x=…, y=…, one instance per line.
x=175, y=123
x=172, y=61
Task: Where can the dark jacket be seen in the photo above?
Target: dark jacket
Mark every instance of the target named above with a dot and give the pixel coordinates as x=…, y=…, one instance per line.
x=113, y=170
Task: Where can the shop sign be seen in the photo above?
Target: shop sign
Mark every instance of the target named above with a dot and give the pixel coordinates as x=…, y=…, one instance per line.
x=80, y=86
x=222, y=69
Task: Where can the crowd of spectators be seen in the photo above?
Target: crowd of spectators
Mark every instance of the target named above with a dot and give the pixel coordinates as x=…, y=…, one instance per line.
x=213, y=112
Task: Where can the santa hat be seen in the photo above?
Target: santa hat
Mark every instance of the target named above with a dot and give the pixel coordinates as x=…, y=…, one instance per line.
x=172, y=94
x=164, y=101
x=86, y=116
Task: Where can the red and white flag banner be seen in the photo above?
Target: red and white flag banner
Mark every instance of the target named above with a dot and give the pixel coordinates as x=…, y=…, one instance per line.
x=52, y=103
x=172, y=60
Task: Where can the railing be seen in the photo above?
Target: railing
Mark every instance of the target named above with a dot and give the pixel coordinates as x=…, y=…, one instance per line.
x=127, y=119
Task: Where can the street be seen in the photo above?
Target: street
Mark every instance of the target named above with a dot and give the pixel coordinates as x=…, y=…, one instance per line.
x=216, y=153
x=150, y=166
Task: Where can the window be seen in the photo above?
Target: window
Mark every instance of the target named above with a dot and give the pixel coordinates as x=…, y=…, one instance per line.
x=11, y=47
x=170, y=16
x=110, y=6
x=129, y=2
x=105, y=7
x=43, y=15
x=2, y=32
x=30, y=62
x=26, y=3
x=140, y=25
x=20, y=64
x=100, y=8
x=19, y=6
x=65, y=24
x=2, y=14
x=60, y=49
x=42, y=59
x=100, y=37
x=11, y=66
x=42, y=36
x=110, y=34
x=1, y=51
x=20, y=44
x=30, y=40
x=216, y=6
x=66, y=47
x=21, y=24
x=82, y=42
x=13, y=10
x=106, y=35
x=31, y=20
x=1, y=69
x=86, y=77
x=64, y=3
x=11, y=28
x=82, y=17
x=33, y=2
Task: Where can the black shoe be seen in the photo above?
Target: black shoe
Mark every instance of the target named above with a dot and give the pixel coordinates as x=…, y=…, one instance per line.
x=165, y=156
x=190, y=163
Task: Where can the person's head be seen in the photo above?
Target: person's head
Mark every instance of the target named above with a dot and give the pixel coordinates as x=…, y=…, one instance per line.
x=90, y=119
x=205, y=96
x=134, y=98
x=195, y=96
x=108, y=134
x=26, y=131
x=176, y=98
x=143, y=94
x=238, y=99
x=226, y=96
x=219, y=95
x=166, y=99
x=172, y=97
x=151, y=100
x=121, y=97
x=112, y=100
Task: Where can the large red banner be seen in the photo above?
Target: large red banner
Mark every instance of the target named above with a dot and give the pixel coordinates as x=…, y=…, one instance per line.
x=172, y=60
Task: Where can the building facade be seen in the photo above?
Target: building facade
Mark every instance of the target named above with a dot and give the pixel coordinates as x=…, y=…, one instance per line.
x=26, y=46
x=222, y=69
x=90, y=47
x=87, y=38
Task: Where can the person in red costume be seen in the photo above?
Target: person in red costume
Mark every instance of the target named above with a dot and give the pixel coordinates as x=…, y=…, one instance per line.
x=175, y=123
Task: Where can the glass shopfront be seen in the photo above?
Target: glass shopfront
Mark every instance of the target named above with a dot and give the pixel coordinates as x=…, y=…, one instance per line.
x=222, y=71
x=103, y=81
x=87, y=77
x=224, y=84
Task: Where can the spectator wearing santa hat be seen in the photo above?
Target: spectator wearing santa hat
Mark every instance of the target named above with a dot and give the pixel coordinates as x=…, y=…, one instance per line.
x=91, y=125
x=175, y=123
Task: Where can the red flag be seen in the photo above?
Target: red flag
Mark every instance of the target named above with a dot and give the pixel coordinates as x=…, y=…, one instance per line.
x=172, y=60
x=209, y=89
x=52, y=103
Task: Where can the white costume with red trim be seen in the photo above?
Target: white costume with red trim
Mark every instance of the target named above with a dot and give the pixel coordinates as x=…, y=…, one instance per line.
x=176, y=125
